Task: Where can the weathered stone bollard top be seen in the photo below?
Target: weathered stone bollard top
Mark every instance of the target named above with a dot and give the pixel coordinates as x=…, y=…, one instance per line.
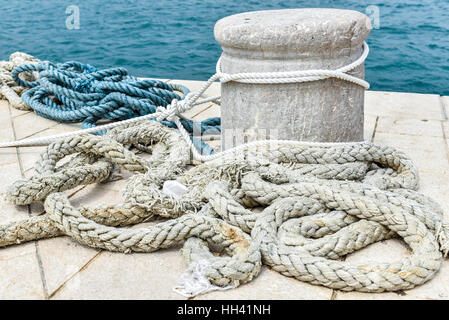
x=304, y=30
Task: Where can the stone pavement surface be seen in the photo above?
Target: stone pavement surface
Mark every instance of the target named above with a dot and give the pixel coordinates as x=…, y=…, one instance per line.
x=60, y=268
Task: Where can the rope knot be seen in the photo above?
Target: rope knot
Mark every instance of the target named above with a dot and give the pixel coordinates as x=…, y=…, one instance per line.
x=175, y=108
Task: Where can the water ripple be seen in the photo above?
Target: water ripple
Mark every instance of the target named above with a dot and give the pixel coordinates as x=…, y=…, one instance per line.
x=174, y=39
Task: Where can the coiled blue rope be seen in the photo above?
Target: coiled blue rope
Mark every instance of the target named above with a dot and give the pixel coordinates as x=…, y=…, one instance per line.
x=77, y=92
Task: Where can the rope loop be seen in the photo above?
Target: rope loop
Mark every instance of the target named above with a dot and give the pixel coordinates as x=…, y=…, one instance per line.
x=297, y=76
x=26, y=68
x=318, y=203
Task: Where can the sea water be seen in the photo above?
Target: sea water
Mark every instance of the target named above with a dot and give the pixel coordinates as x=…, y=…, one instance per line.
x=173, y=39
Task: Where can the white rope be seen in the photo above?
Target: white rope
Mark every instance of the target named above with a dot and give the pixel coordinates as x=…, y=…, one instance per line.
x=43, y=141
x=173, y=112
x=193, y=281
x=297, y=76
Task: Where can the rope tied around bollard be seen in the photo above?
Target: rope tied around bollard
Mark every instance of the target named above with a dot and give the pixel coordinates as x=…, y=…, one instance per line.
x=174, y=110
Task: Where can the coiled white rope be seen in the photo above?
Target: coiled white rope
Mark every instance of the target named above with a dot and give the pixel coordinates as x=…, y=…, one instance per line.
x=174, y=111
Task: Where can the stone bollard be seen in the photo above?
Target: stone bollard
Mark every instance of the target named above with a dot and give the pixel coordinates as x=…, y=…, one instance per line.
x=329, y=110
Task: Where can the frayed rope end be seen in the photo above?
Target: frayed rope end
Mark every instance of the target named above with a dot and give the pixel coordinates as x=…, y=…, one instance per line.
x=193, y=281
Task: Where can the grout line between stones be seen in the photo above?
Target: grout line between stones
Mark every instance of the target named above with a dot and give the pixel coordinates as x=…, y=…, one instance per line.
x=203, y=110
x=40, y=264
x=409, y=134
x=34, y=133
x=20, y=115
x=36, y=243
x=334, y=294
x=443, y=108
x=375, y=128
x=446, y=141
x=84, y=267
x=443, y=111
x=407, y=116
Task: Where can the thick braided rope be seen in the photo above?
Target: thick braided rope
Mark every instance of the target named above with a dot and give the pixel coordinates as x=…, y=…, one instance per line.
x=9, y=90
x=95, y=163
x=166, y=161
x=321, y=202
x=241, y=267
x=336, y=207
x=364, y=191
x=76, y=92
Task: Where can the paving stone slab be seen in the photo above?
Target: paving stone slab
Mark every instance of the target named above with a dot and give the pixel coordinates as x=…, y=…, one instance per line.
x=21, y=277
x=428, y=153
x=436, y=186
x=401, y=104
x=8, y=156
x=409, y=126
x=271, y=285
x=127, y=276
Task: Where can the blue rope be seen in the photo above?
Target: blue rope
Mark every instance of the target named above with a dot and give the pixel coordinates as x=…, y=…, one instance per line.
x=76, y=92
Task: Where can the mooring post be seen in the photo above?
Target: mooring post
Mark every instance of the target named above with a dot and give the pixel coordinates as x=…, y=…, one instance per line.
x=329, y=110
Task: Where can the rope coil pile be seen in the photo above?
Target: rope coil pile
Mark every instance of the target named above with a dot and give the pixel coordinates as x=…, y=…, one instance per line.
x=77, y=92
x=320, y=202
x=9, y=89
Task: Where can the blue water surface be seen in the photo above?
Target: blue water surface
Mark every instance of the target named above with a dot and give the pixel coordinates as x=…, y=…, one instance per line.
x=174, y=39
